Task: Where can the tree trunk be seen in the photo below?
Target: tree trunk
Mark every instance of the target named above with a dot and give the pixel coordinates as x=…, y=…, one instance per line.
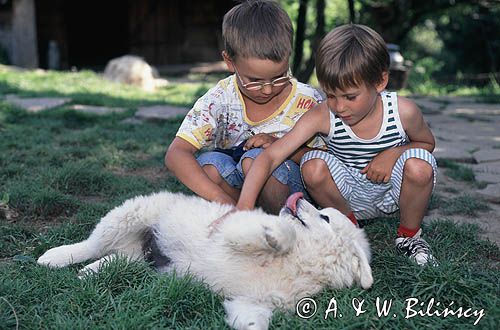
x=352, y=13
x=24, y=48
x=305, y=74
x=300, y=36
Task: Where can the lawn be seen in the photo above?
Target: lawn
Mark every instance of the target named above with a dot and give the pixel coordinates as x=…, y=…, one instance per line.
x=60, y=171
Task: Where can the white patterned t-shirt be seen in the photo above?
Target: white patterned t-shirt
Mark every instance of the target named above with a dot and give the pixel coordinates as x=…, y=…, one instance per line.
x=218, y=119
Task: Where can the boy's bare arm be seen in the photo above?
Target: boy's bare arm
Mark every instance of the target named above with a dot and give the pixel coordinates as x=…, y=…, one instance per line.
x=299, y=153
x=263, y=140
x=380, y=168
x=308, y=125
x=415, y=126
x=181, y=161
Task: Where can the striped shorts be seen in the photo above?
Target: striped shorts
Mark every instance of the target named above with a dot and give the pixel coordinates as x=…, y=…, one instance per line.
x=367, y=199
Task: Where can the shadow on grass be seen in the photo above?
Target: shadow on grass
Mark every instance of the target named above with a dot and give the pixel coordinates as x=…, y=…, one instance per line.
x=89, y=89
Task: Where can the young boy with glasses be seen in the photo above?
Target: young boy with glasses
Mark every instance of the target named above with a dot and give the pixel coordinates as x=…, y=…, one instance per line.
x=246, y=112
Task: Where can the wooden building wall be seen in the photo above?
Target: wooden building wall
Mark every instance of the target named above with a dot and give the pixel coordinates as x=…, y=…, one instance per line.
x=88, y=33
x=178, y=31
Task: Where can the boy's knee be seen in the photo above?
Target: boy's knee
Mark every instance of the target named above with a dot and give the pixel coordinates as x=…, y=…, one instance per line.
x=314, y=172
x=212, y=173
x=418, y=171
x=246, y=163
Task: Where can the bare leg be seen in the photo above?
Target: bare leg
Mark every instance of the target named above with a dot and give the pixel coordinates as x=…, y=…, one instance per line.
x=416, y=190
x=69, y=254
x=320, y=185
x=214, y=175
x=273, y=195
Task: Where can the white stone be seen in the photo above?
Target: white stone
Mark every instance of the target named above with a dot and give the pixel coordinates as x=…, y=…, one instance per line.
x=36, y=104
x=491, y=193
x=160, y=112
x=487, y=155
x=453, y=151
x=491, y=167
x=430, y=106
x=487, y=177
x=472, y=109
x=97, y=110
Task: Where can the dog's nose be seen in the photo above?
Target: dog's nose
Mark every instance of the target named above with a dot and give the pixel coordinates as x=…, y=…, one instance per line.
x=291, y=201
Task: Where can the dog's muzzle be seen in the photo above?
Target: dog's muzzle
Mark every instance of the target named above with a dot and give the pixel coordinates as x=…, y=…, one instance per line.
x=291, y=206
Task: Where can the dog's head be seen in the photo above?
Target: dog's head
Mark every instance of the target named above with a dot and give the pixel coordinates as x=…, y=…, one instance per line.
x=330, y=238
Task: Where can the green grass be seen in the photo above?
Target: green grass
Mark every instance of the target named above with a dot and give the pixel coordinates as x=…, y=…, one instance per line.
x=460, y=172
x=487, y=94
x=60, y=172
x=424, y=85
x=457, y=171
x=87, y=87
x=463, y=204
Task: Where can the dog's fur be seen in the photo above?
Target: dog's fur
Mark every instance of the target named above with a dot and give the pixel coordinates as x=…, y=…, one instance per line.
x=133, y=70
x=255, y=260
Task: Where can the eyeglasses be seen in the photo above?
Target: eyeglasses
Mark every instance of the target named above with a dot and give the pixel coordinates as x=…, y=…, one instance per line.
x=257, y=86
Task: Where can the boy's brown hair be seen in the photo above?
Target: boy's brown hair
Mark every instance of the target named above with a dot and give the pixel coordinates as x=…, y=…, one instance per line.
x=349, y=56
x=259, y=29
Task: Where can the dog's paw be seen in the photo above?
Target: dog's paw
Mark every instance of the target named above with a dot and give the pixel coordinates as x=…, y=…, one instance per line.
x=56, y=257
x=96, y=266
x=246, y=315
x=88, y=270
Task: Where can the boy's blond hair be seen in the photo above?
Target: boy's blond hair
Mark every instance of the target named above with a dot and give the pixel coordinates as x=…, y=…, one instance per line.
x=259, y=29
x=349, y=56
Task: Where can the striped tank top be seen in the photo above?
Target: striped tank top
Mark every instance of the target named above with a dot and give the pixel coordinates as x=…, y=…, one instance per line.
x=356, y=152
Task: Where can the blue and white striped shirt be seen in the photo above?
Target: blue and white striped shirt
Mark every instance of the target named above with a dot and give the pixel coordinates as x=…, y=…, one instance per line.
x=356, y=152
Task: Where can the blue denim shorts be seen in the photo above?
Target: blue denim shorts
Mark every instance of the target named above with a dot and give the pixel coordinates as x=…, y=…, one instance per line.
x=287, y=173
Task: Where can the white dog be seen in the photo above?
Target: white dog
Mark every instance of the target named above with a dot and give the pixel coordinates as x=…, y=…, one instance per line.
x=133, y=70
x=257, y=261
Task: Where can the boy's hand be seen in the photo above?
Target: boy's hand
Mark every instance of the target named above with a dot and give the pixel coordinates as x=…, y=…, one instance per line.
x=379, y=170
x=214, y=225
x=223, y=199
x=261, y=140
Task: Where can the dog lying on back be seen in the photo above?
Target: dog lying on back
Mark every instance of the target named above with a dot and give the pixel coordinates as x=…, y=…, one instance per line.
x=256, y=261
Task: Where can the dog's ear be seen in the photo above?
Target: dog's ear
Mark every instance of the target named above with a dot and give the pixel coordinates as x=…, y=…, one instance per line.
x=361, y=266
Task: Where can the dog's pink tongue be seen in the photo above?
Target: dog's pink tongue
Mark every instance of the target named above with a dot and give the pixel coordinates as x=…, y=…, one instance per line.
x=291, y=202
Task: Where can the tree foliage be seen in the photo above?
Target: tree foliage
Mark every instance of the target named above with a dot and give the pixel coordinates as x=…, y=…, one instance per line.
x=394, y=19
x=471, y=41
x=466, y=31
x=304, y=70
